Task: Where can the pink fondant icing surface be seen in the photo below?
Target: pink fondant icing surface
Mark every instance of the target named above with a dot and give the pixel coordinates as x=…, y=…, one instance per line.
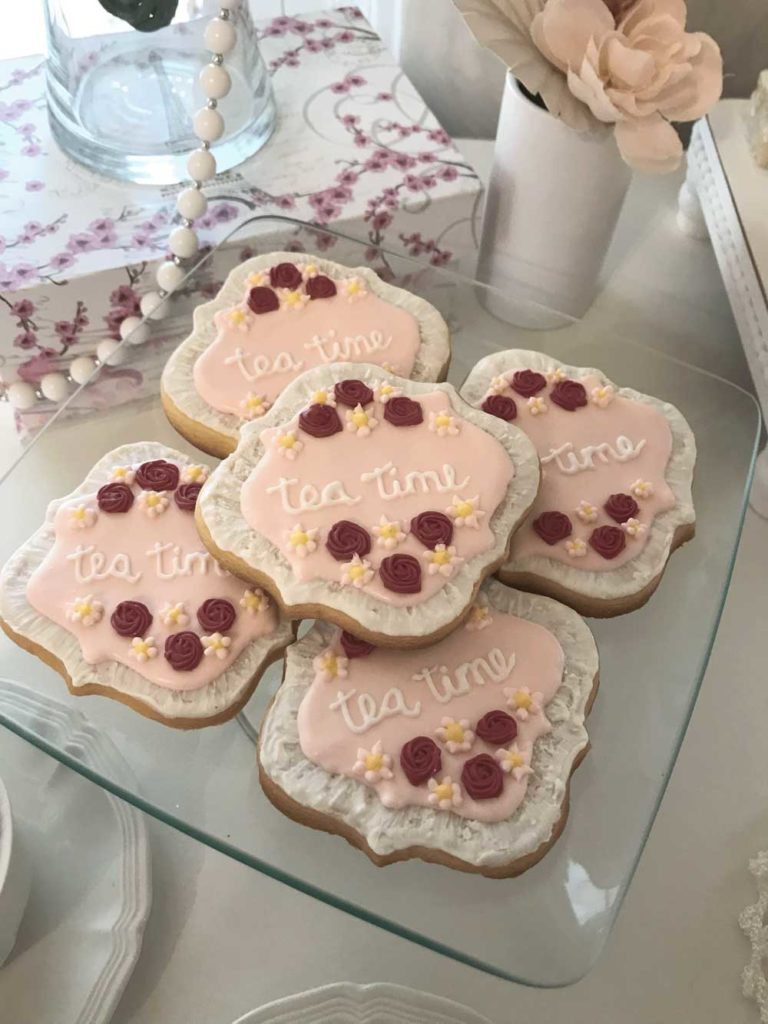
x=581, y=431
x=120, y=548
x=468, y=465
x=463, y=662
x=274, y=348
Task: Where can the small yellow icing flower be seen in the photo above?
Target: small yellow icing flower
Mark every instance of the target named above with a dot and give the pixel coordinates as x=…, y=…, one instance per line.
x=586, y=512
x=443, y=424
x=254, y=601
x=554, y=374
x=216, y=645
x=239, y=318
x=323, y=396
x=195, y=474
x=292, y=299
x=330, y=665
x=360, y=422
x=309, y=270
x=302, y=542
x=357, y=573
x=85, y=610
x=389, y=533
x=444, y=794
x=82, y=517
x=514, y=761
x=603, y=396
x=174, y=614
x=153, y=503
x=443, y=559
x=374, y=765
x=383, y=391
x=257, y=279
x=536, y=406
x=466, y=511
x=123, y=475
x=353, y=289
x=289, y=445
x=523, y=702
x=456, y=735
x=642, y=489
x=634, y=528
x=576, y=547
x=253, y=406
x=480, y=615
x=143, y=648
x=497, y=386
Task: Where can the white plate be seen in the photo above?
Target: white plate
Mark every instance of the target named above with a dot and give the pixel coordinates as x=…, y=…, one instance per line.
x=81, y=933
x=345, y=1003
x=14, y=877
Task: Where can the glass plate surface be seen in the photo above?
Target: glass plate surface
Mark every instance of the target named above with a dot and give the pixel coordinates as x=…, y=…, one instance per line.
x=546, y=927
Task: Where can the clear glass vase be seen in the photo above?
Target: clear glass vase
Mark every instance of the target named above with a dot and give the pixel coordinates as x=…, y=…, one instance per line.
x=121, y=101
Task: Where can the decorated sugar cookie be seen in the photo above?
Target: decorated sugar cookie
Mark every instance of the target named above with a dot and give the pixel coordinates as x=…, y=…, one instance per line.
x=372, y=501
x=118, y=594
x=616, y=472
x=279, y=315
x=460, y=753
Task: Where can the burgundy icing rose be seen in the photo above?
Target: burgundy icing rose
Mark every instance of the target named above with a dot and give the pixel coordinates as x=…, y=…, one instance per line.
x=320, y=421
x=401, y=574
x=608, y=541
x=115, y=497
x=528, y=383
x=352, y=393
x=420, y=759
x=263, y=300
x=185, y=496
x=216, y=615
x=497, y=727
x=621, y=507
x=347, y=539
x=553, y=526
x=432, y=528
x=401, y=411
x=131, y=618
x=501, y=406
x=285, y=275
x=353, y=646
x=482, y=777
x=183, y=651
x=320, y=287
x=569, y=395
x=157, y=475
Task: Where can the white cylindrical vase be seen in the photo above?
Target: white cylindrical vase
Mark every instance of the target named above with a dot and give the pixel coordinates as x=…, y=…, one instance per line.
x=553, y=201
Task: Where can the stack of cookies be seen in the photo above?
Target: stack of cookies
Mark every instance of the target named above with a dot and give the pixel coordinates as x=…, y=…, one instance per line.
x=445, y=543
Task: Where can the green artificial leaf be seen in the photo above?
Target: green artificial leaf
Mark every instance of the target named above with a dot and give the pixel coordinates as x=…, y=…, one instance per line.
x=144, y=15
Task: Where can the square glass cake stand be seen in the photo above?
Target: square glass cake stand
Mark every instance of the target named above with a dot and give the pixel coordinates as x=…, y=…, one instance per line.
x=548, y=926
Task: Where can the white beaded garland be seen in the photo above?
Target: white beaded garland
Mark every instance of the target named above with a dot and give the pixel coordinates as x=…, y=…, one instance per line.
x=191, y=203
x=169, y=275
x=110, y=352
x=54, y=387
x=201, y=164
x=220, y=35
x=134, y=331
x=183, y=242
x=21, y=395
x=208, y=124
x=154, y=306
x=80, y=369
x=215, y=81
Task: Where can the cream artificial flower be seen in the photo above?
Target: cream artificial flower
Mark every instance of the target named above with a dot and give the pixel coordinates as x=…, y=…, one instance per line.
x=536, y=406
x=353, y=289
x=642, y=489
x=603, y=395
x=289, y=445
x=87, y=611
x=82, y=517
x=254, y=406
x=374, y=765
x=443, y=424
x=357, y=573
x=466, y=511
x=455, y=735
x=445, y=794
x=302, y=542
x=194, y=474
x=123, y=475
x=143, y=648
x=291, y=299
x=576, y=547
x=523, y=702
x=634, y=528
x=360, y=422
x=174, y=614
x=514, y=761
x=239, y=318
x=443, y=559
x=389, y=533
x=254, y=601
x=330, y=665
x=216, y=645
x=587, y=512
x=153, y=503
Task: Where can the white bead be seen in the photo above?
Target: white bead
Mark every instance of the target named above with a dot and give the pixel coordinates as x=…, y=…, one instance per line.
x=111, y=352
x=54, y=387
x=134, y=331
x=21, y=395
x=183, y=242
x=220, y=36
x=191, y=203
x=169, y=276
x=229, y=5
x=208, y=124
x=80, y=369
x=215, y=81
x=201, y=164
x=154, y=307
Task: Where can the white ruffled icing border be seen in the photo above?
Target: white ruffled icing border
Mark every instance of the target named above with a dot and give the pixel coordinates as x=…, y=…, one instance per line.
x=638, y=572
x=219, y=506
x=177, y=382
x=483, y=844
x=205, y=702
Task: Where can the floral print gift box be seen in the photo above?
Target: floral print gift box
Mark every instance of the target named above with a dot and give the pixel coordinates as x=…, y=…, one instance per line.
x=355, y=149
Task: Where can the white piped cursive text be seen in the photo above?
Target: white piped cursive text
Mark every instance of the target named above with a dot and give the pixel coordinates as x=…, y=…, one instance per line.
x=569, y=460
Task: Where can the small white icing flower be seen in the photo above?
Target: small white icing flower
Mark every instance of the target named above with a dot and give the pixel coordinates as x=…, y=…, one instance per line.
x=466, y=511
x=353, y=289
x=195, y=474
x=383, y=391
x=443, y=424
x=292, y=300
x=216, y=645
x=239, y=318
x=360, y=422
x=536, y=406
x=374, y=765
x=586, y=512
x=254, y=601
x=309, y=270
x=357, y=573
x=330, y=665
x=153, y=503
x=514, y=761
x=85, y=610
x=642, y=489
x=443, y=560
x=253, y=406
x=174, y=614
x=456, y=735
x=576, y=547
x=123, y=475
x=389, y=533
x=289, y=445
x=480, y=615
x=497, y=386
x=302, y=542
x=603, y=396
x=554, y=374
x=143, y=648
x=634, y=528
x=257, y=279
x=444, y=794
x=82, y=517
x=323, y=396
x=523, y=702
